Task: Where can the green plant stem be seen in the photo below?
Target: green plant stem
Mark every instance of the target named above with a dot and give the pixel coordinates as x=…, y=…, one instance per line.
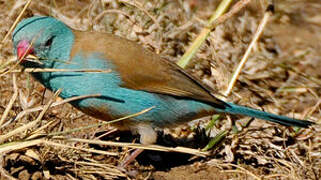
x=223, y=6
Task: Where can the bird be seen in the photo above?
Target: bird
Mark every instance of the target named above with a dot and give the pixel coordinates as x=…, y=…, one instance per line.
x=138, y=79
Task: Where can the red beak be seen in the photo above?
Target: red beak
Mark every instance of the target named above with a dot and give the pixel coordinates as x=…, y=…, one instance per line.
x=24, y=49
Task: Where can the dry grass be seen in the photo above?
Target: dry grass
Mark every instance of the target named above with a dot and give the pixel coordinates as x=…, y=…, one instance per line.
x=281, y=76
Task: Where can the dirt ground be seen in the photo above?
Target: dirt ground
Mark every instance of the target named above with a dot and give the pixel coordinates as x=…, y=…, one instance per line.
x=281, y=76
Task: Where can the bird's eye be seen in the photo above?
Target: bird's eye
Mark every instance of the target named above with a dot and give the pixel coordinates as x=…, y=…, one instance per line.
x=49, y=41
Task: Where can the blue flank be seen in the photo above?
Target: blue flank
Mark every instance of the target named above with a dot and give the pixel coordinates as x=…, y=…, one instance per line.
x=116, y=100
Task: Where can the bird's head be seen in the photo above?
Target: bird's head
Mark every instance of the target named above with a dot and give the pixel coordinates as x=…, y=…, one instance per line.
x=46, y=38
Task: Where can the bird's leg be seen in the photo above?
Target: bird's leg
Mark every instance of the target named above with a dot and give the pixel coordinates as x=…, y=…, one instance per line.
x=147, y=136
x=131, y=157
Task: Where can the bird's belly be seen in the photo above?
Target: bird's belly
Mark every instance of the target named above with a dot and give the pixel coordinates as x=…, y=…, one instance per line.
x=166, y=110
x=116, y=101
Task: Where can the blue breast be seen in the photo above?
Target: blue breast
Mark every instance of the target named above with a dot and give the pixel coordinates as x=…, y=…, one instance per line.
x=117, y=101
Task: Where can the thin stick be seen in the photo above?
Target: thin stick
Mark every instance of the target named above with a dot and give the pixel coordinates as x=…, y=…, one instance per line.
x=258, y=33
x=37, y=132
x=39, y=108
x=3, y=172
x=31, y=70
x=20, y=58
x=184, y=60
x=100, y=124
x=140, y=7
x=235, y=9
x=16, y=21
x=12, y=100
x=242, y=170
x=32, y=123
x=78, y=148
x=98, y=164
x=19, y=145
x=115, y=11
x=139, y=146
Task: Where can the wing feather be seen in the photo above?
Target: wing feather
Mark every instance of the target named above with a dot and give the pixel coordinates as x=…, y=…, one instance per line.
x=141, y=69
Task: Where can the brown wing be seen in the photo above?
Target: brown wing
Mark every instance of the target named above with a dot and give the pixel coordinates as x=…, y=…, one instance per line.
x=141, y=69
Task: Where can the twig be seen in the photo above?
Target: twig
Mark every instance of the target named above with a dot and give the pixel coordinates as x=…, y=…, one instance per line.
x=12, y=100
x=31, y=70
x=242, y=170
x=32, y=123
x=257, y=34
x=19, y=145
x=3, y=173
x=100, y=124
x=140, y=146
x=235, y=9
x=140, y=7
x=16, y=22
x=82, y=149
x=21, y=114
x=116, y=11
x=184, y=60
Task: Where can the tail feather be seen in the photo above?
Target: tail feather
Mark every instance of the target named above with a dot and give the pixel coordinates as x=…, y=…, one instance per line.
x=283, y=120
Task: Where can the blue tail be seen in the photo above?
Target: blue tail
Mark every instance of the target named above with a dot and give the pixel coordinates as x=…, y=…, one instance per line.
x=242, y=110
